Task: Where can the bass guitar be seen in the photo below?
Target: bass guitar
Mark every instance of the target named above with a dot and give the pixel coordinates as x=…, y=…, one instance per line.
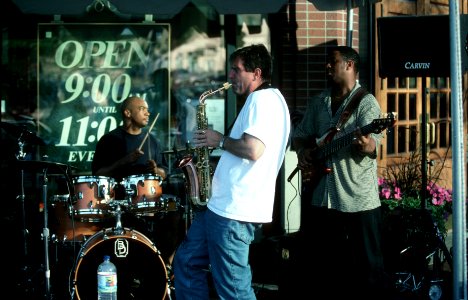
x=326, y=146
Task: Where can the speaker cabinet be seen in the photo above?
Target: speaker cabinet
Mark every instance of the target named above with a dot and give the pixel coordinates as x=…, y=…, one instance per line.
x=417, y=46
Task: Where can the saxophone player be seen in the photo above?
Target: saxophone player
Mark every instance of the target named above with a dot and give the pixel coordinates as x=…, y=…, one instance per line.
x=243, y=185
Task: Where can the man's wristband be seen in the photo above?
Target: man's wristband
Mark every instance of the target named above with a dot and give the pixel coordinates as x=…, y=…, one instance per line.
x=221, y=142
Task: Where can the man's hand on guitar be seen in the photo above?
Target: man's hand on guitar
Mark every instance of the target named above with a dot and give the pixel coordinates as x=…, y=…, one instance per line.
x=307, y=163
x=364, y=143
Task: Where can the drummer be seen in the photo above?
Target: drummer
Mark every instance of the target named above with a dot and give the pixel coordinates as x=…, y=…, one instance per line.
x=130, y=150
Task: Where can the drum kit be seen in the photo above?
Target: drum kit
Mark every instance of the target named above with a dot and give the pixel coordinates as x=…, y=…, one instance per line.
x=142, y=271
x=83, y=219
x=87, y=220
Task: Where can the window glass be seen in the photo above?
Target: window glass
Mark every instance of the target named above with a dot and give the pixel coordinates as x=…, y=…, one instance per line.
x=433, y=105
x=402, y=139
x=198, y=66
x=412, y=107
x=402, y=115
x=391, y=103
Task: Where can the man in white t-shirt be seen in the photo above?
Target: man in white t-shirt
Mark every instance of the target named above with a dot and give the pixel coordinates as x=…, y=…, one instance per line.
x=243, y=185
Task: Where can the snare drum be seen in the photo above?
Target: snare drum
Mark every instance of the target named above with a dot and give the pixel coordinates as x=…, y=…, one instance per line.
x=145, y=193
x=141, y=272
x=92, y=197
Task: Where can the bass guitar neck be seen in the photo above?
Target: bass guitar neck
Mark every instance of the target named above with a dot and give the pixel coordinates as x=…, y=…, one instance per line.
x=325, y=147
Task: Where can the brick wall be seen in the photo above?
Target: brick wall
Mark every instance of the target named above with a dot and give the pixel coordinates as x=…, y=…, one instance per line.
x=305, y=34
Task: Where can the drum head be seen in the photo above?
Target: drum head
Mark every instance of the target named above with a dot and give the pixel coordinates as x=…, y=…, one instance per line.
x=141, y=273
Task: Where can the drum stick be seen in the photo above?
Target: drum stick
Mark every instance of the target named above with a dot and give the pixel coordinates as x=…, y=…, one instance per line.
x=149, y=130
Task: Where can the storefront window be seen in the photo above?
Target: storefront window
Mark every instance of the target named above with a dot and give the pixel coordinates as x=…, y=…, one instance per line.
x=186, y=56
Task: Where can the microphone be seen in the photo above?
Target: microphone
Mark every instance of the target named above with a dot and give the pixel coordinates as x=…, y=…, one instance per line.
x=293, y=173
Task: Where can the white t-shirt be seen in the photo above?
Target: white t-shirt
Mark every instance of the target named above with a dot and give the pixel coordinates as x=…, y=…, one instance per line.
x=242, y=189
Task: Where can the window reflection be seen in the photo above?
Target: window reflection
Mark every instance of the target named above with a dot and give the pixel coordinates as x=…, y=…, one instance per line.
x=198, y=64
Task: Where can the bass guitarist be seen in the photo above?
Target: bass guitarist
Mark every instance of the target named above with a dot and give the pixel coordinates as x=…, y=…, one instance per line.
x=341, y=206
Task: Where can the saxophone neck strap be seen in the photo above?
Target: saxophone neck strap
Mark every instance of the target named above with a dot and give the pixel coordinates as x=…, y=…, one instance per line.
x=264, y=85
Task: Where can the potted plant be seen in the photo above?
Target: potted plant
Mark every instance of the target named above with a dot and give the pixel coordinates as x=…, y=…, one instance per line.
x=438, y=202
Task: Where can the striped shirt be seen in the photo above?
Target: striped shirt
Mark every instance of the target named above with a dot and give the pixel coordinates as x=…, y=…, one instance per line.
x=351, y=186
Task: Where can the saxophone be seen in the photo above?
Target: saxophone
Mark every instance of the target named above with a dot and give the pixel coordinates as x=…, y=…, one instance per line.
x=199, y=192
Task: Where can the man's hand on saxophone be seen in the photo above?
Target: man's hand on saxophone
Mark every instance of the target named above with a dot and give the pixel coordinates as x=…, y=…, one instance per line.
x=207, y=138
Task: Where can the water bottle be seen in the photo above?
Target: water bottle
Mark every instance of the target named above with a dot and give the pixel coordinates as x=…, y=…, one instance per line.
x=107, y=280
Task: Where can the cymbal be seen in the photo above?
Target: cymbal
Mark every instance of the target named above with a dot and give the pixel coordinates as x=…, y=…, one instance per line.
x=20, y=132
x=39, y=166
x=174, y=151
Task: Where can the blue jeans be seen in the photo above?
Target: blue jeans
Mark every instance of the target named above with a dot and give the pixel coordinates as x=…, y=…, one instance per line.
x=218, y=245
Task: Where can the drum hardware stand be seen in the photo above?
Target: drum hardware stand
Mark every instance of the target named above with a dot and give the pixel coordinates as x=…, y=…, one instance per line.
x=118, y=224
x=25, y=233
x=188, y=216
x=168, y=294
x=21, y=156
x=72, y=293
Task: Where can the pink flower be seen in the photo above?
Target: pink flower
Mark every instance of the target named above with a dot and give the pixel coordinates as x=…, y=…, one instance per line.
x=386, y=192
x=436, y=201
x=381, y=181
x=397, y=193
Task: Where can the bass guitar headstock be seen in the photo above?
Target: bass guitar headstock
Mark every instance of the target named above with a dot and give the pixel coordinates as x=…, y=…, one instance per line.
x=391, y=116
x=387, y=121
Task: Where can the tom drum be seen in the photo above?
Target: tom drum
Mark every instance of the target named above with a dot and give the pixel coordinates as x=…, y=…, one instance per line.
x=92, y=197
x=145, y=193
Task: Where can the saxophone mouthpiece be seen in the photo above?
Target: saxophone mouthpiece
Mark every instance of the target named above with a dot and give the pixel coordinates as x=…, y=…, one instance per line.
x=226, y=85
x=203, y=96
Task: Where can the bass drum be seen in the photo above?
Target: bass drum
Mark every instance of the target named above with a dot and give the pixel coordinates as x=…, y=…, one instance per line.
x=141, y=273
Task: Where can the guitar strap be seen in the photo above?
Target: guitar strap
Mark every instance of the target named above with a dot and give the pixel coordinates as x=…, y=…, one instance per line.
x=353, y=103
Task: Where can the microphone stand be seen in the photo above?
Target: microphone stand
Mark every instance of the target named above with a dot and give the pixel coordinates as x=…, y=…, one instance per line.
x=22, y=197
x=45, y=234
x=23, y=216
